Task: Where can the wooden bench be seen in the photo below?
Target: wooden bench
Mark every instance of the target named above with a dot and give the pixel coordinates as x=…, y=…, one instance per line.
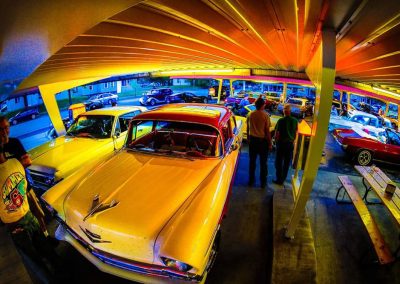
x=381, y=249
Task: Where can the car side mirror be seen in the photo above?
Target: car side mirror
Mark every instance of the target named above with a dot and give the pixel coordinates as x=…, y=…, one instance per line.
x=234, y=147
x=117, y=134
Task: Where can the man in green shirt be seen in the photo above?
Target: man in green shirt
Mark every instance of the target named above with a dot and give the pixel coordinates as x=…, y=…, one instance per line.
x=285, y=134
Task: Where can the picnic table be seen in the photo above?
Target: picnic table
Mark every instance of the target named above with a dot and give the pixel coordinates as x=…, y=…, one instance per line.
x=374, y=180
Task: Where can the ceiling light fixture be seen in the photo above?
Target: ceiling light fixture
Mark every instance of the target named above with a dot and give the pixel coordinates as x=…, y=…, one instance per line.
x=197, y=71
x=386, y=91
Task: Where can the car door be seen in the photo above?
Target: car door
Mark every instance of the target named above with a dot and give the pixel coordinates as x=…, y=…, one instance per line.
x=161, y=95
x=392, y=147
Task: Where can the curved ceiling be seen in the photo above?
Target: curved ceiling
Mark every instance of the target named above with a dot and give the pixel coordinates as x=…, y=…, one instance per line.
x=58, y=40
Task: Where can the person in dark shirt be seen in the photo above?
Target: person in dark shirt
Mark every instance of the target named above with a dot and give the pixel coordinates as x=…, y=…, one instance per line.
x=285, y=134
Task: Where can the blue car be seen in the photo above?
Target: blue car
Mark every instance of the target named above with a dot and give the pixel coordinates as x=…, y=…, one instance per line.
x=28, y=114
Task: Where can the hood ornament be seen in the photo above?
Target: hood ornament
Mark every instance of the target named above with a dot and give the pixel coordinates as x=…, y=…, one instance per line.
x=97, y=206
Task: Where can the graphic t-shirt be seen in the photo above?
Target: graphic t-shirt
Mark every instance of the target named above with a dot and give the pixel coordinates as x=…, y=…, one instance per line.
x=13, y=200
x=14, y=149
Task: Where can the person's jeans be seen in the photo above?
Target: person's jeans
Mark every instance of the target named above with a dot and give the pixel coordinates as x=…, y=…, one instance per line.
x=284, y=153
x=258, y=147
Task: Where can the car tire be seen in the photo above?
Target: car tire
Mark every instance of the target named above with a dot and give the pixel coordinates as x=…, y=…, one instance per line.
x=214, y=251
x=33, y=116
x=152, y=102
x=205, y=101
x=364, y=157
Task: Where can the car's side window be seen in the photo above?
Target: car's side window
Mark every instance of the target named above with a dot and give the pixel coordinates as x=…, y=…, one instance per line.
x=123, y=120
x=141, y=128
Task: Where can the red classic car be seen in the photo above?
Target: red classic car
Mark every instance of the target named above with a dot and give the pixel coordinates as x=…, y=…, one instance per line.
x=385, y=147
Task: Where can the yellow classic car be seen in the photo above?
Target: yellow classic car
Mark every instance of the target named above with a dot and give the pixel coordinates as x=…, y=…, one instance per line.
x=92, y=136
x=152, y=212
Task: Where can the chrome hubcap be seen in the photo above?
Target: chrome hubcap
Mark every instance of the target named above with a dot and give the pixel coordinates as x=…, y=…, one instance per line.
x=364, y=158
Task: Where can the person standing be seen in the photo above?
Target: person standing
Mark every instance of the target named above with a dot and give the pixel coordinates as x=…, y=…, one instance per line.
x=285, y=134
x=13, y=149
x=15, y=213
x=244, y=102
x=259, y=137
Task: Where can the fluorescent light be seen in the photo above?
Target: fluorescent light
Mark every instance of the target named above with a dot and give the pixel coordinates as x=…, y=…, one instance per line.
x=197, y=71
x=386, y=91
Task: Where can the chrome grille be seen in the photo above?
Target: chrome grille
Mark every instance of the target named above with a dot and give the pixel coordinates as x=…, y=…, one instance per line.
x=42, y=180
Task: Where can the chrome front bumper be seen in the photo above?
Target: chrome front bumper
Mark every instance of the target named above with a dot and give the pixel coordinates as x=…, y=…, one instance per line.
x=134, y=271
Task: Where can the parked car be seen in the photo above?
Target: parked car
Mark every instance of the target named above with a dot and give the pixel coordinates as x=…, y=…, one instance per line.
x=213, y=92
x=155, y=96
x=369, y=123
x=152, y=212
x=93, y=135
x=99, y=100
x=243, y=114
x=93, y=105
x=24, y=115
x=384, y=147
x=273, y=96
x=187, y=97
x=299, y=107
x=233, y=102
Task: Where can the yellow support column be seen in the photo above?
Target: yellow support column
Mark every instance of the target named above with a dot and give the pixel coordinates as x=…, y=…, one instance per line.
x=398, y=117
x=231, y=87
x=48, y=93
x=321, y=71
x=284, y=95
x=219, y=90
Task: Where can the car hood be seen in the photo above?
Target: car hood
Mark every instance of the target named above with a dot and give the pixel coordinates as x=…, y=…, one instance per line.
x=72, y=151
x=147, y=191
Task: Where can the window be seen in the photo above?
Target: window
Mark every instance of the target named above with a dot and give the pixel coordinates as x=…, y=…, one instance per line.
x=141, y=128
x=393, y=138
x=125, y=83
x=90, y=87
x=123, y=120
x=106, y=85
x=17, y=100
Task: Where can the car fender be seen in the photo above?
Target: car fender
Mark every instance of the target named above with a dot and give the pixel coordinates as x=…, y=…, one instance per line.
x=189, y=234
x=56, y=195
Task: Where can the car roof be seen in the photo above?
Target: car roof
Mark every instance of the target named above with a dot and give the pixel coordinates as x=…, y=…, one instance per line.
x=299, y=99
x=212, y=115
x=114, y=110
x=358, y=112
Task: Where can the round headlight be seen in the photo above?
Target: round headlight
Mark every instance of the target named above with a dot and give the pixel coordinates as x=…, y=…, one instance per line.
x=176, y=264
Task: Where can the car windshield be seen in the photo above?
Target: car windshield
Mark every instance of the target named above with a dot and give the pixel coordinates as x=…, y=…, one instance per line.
x=294, y=102
x=393, y=138
x=92, y=126
x=174, y=138
x=251, y=107
x=91, y=98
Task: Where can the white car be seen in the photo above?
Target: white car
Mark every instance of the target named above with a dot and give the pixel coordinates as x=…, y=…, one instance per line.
x=360, y=120
x=105, y=98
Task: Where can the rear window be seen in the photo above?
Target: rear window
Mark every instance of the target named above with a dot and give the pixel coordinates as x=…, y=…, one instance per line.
x=294, y=102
